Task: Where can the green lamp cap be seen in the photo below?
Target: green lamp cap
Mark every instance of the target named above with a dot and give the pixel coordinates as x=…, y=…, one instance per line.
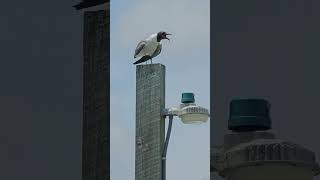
x=249, y=115
x=187, y=98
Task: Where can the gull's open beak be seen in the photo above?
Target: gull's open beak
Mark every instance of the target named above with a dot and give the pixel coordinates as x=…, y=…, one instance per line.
x=167, y=37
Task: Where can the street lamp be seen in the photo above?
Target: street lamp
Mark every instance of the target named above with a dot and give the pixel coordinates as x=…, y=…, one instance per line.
x=189, y=113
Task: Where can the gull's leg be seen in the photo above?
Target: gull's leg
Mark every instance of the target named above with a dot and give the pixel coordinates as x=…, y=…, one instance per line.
x=151, y=60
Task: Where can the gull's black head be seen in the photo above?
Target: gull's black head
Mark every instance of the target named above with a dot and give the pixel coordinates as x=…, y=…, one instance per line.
x=162, y=35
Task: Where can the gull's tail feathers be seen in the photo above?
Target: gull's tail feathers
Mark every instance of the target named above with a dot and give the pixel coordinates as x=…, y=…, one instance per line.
x=143, y=59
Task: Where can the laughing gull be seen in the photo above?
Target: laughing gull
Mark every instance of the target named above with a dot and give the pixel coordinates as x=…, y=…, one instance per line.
x=150, y=47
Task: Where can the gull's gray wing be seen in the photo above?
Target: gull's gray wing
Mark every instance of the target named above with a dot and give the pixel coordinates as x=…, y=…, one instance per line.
x=157, y=51
x=140, y=46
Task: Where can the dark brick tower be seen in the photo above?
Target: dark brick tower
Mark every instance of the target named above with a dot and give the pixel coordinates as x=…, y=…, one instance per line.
x=96, y=96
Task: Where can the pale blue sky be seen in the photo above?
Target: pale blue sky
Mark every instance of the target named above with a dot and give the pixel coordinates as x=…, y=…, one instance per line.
x=187, y=61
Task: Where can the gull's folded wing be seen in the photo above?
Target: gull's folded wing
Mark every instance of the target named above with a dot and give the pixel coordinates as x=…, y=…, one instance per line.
x=140, y=46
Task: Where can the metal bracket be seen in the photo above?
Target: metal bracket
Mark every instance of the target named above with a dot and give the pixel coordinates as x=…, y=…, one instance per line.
x=170, y=112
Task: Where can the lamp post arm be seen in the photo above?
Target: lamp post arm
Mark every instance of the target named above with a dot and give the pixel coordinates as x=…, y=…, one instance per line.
x=164, y=152
x=165, y=147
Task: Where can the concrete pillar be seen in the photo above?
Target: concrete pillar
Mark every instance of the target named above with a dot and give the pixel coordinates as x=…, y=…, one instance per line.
x=150, y=125
x=96, y=101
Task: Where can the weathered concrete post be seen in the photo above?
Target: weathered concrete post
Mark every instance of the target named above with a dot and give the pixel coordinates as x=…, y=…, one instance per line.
x=150, y=125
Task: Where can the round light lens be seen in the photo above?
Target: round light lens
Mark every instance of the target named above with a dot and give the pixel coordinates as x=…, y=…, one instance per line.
x=194, y=114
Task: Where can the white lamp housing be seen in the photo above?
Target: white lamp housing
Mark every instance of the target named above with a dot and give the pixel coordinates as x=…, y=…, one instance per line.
x=193, y=114
x=190, y=113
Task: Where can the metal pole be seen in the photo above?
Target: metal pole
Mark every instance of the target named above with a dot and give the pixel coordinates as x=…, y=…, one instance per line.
x=164, y=152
